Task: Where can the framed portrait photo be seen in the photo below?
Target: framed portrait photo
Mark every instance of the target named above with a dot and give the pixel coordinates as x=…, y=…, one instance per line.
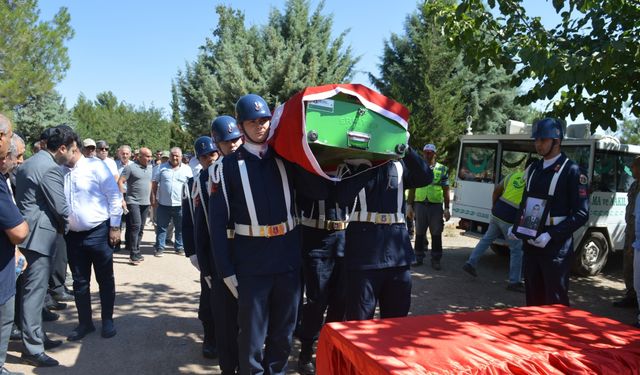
x=531, y=218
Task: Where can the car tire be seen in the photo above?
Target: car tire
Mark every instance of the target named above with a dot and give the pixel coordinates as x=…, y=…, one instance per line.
x=591, y=256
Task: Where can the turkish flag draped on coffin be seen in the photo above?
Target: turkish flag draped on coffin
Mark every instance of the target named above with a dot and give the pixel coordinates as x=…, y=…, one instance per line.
x=319, y=127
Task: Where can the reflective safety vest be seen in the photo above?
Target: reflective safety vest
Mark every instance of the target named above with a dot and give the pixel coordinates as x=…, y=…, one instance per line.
x=433, y=192
x=513, y=188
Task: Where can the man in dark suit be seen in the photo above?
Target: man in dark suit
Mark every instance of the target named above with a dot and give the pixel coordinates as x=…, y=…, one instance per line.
x=40, y=199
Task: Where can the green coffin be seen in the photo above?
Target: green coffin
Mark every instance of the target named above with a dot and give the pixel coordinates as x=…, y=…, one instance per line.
x=342, y=128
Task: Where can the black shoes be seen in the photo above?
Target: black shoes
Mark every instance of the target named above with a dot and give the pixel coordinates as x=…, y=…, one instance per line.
x=108, y=329
x=63, y=297
x=626, y=302
x=516, y=287
x=39, y=360
x=435, y=264
x=49, y=316
x=305, y=365
x=209, y=351
x=50, y=344
x=80, y=332
x=471, y=270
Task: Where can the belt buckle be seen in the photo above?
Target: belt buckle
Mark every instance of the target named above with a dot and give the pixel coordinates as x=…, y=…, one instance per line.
x=335, y=225
x=383, y=219
x=275, y=230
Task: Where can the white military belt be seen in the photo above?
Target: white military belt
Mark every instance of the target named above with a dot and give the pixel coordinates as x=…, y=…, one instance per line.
x=264, y=230
x=378, y=218
x=554, y=220
x=324, y=224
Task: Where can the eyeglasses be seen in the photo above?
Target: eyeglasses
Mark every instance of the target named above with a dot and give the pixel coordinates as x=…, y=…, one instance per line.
x=90, y=147
x=103, y=148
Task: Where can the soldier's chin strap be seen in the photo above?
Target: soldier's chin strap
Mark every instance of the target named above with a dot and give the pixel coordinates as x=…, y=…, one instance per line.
x=553, y=144
x=247, y=137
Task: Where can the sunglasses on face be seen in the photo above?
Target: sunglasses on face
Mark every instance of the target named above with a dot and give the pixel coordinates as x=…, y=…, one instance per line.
x=104, y=149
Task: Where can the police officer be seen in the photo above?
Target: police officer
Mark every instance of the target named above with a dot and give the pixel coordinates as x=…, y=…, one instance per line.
x=227, y=137
x=255, y=193
x=323, y=224
x=197, y=241
x=428, y=209
x=547, y=258
x=378, y=249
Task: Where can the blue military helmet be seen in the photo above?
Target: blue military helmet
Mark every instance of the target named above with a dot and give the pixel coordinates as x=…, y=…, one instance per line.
x=251, y=107
x=224, y=128
x=549, y=128
x=204, y=145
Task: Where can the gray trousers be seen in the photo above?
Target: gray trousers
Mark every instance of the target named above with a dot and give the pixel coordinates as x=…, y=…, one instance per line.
x=6, y=322
x=35, y=282
x=429, y=216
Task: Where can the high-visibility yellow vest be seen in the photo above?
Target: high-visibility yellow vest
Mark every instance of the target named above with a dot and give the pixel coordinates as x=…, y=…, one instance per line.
x=513, y=188
x=433, y=192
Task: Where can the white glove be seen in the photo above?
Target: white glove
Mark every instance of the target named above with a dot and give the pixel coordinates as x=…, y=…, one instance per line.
x=541, y=241
x=510, y=234
x=232, y=283
x=447, y=215
x=194, y=261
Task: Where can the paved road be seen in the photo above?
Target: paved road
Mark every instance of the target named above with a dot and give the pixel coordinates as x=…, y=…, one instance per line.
x=158, y=330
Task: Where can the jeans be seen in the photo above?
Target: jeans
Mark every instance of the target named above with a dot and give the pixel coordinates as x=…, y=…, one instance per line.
x=496, y=228
x=135, y=227
x=167, y=214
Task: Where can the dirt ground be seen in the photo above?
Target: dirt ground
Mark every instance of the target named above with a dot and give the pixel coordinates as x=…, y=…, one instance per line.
x=158, y=330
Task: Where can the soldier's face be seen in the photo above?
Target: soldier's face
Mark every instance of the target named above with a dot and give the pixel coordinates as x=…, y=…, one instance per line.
x=543, y=146
x=258, y=129
x=208, y=159
x=229, y=147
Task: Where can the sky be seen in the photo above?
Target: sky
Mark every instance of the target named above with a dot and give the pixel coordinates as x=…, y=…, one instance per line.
x=135, y=48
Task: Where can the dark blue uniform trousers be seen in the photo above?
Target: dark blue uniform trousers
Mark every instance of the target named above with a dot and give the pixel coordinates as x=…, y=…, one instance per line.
x=205, y=312
x=84, y=250
x=390, y=287
x=225, y=315
x=325, y=281
x=546, y=273
x=267, y=309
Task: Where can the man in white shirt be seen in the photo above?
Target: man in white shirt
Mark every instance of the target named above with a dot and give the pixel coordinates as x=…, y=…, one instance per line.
x=95, y=205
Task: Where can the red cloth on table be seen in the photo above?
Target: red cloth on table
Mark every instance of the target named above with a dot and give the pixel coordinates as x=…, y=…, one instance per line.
x=552, y=339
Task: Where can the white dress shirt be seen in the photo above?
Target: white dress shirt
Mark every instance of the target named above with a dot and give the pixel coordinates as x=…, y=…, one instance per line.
x=92, y=194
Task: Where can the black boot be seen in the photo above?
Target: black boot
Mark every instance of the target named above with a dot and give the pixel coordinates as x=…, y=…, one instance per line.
x=209, y=343
x=305, y=360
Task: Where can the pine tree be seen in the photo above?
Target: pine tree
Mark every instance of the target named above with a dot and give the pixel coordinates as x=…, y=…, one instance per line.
x=294, y=50
x=39, y=113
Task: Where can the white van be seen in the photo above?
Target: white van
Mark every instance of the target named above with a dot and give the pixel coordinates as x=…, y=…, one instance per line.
x=485, y=159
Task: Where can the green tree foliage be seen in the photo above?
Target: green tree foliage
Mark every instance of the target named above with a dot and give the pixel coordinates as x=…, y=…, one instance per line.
x=294, y=50
x=33, y=55
x=39, y=113
x=420, y=70
x=119, y=123
x=630, y=131
x=591, y=58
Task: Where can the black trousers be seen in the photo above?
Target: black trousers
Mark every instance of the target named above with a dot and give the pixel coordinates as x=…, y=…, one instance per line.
x=135, y=226
x=87, y=249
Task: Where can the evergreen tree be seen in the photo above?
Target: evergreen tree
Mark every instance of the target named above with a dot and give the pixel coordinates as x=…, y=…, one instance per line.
x=630, y=131
x=120, y=123
x=39, y=113
x=294, y=50
x=421, y=71
x=33, y=56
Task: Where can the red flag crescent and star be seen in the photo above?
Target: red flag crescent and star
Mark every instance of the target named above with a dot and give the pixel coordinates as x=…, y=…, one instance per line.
x=288, y=134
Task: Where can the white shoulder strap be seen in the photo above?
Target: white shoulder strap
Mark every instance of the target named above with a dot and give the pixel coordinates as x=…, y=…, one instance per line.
x=186, y=194
x=248, y=196
x=399, y=170
x=216, y=175
x=556, y=176
x=321, y=211
x=198, y=191
x=286, y=190
x=362, y=198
